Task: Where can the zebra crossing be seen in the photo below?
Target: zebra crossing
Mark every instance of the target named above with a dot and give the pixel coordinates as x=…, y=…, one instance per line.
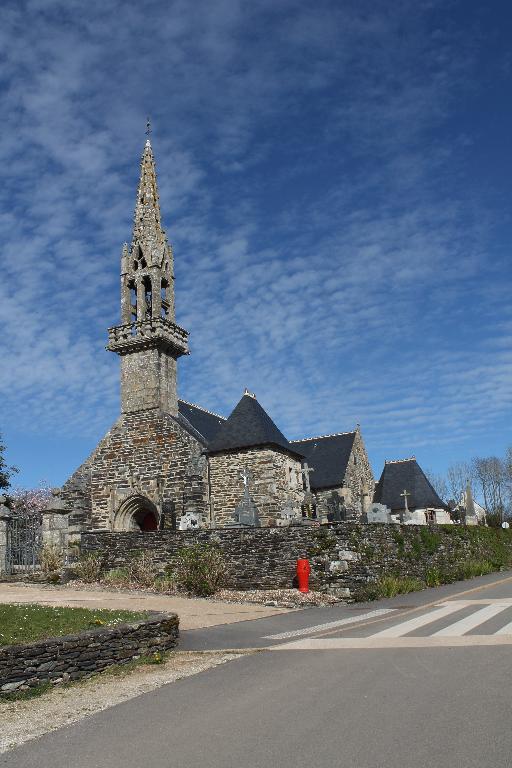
x=446, y=624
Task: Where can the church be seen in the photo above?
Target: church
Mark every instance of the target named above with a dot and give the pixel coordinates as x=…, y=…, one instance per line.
x=169, y=463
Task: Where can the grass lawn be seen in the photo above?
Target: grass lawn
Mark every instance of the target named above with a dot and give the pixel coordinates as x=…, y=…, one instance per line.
x=27, y=623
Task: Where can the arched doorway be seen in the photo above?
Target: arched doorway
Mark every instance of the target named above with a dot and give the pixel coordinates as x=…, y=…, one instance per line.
x=136, y=513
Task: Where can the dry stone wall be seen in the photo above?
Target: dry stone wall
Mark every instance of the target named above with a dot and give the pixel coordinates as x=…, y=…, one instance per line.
x=344, y=557
x=71, y=657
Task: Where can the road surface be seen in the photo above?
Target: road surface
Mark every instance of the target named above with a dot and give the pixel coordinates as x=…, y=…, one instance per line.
x=416, y=681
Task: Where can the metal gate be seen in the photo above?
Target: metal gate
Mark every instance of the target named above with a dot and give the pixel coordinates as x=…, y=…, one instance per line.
x=24, y=542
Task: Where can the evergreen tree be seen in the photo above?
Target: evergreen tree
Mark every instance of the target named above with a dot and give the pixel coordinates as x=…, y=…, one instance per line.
x=5, y=471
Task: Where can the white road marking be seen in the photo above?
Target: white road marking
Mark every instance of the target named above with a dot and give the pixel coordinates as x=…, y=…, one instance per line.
x=470, y=622
x=374, y=642
x=398, y=630
x=330, y=624
x=506, y=630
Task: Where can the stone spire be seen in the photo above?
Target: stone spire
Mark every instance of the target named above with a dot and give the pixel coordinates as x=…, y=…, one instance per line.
x=148, y=339
x=148, y=234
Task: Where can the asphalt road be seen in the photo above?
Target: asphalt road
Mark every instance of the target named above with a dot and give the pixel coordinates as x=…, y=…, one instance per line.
x=429, y=686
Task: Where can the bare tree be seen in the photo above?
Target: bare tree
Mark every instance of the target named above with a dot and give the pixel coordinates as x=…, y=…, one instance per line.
x=491, y=475
x=438, y=483
x=459, y=476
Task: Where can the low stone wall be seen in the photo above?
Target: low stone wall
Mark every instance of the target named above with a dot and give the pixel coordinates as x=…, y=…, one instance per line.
x=60, y=659
x=344, y=556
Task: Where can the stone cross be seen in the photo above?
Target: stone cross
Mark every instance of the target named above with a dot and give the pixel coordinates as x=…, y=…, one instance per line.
x=305, y=472
x=246, y=477
x=405, y=494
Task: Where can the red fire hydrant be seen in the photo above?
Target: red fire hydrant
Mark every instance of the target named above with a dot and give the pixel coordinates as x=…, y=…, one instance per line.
x=303, y=571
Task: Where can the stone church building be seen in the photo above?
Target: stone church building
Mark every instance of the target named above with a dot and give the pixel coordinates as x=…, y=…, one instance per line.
x=165, y=459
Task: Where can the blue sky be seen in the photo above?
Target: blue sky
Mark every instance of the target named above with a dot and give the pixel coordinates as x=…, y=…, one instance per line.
x=335, y=178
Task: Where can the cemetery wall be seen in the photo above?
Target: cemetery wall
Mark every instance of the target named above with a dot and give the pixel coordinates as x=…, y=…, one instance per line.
x=60, y=659
x=344, y=557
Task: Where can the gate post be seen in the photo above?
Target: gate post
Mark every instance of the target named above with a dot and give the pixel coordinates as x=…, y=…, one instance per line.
x=55, y=528
x=5, y=516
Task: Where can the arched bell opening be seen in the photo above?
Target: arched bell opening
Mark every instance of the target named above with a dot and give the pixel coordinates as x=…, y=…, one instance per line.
x=137, y=513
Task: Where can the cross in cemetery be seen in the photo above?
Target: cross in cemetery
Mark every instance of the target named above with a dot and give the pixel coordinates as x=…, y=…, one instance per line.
x=305, y=472
x=405, y=494
x=246, y=476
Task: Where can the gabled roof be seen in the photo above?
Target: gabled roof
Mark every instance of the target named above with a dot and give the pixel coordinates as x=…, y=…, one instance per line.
x=205, y=422
x=249, y=425
x=407, y=475
x=329, y=456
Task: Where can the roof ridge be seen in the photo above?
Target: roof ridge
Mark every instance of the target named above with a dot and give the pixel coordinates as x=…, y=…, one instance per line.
x=320, y=437
x=399, y=461
x=200, y=408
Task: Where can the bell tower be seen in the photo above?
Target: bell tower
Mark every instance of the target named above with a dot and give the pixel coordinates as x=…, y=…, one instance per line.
x=148, y=340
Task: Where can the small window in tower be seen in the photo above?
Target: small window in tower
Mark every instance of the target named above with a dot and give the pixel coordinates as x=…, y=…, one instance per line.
x=133, y=300
x=163, y=295
x=355, y=459
x=135, y=265
x=143, y=263
x=148, y=296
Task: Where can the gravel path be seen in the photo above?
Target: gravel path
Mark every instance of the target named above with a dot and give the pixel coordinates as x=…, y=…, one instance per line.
x=25, y=720
x=194, y=613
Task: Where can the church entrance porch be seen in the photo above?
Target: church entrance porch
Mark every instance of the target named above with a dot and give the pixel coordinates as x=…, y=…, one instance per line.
x=137, y=513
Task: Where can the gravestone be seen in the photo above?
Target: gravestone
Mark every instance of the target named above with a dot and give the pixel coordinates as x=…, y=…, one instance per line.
x=189, y=522
x=246, y=513
x=288, y=515
x=336, y=509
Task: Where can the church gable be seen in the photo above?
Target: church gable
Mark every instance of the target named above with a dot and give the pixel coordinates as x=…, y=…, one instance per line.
x=147, y=454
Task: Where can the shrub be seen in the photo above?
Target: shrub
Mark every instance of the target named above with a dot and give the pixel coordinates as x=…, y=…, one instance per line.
x=471, y=568
x=142, y=569
x=389, y=586
x=117, y=577
x=88, y=568
x=434, y=577
x=51, y=559
x=164, y=583
x=199, y=569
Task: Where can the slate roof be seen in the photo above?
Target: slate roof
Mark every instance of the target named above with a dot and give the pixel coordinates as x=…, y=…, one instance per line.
x=204, y=422
x=398, y=476
x=329, y=456
x=249, y=425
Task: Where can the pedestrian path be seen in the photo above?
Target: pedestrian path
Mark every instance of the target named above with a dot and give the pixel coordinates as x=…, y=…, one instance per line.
x=451, y=623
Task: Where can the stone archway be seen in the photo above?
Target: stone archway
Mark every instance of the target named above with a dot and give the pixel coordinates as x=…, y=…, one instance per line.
x=136, y=513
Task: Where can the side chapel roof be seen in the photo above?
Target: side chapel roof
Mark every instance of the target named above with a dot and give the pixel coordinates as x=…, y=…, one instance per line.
x=205, y=422
x=407, y=474
x=328, y=456
x=249, y=425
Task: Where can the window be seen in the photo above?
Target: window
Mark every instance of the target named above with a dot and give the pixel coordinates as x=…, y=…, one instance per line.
x=133, y=300
x=148, y=297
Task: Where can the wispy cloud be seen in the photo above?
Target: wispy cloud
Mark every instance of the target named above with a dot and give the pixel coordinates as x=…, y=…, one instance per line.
x=331, y=252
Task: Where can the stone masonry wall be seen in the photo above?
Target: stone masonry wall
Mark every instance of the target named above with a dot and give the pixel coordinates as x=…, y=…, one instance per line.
x=344, y=557
x=148, y=380
x=356, y=487
x=274, y=481
x=59, y=659
x=358, y=483
x=143, y=451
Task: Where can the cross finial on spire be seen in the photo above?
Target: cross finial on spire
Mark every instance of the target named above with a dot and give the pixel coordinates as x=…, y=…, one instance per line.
x=148, y=127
